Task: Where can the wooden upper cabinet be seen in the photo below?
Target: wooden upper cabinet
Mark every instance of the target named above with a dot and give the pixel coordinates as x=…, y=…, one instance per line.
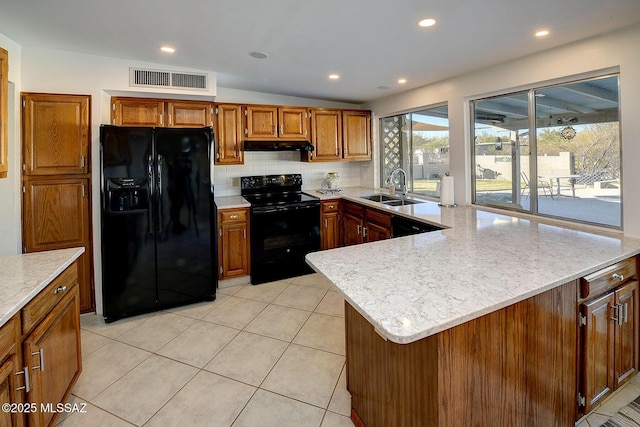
x=294, y=123
x=137, y=112
x=326, y=134
x=267, y=122
x=189, y=114
x=4, y=112
x=340, y=135
x=262, y=122
x=356, y=127
x=228, y=134
x=56, y=134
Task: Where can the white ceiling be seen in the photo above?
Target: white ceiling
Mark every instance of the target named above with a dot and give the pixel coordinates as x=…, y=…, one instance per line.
x=370, y=43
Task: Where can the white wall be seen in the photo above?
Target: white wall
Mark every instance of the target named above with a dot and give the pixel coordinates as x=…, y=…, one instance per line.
x=10, y=240
x=609, y=52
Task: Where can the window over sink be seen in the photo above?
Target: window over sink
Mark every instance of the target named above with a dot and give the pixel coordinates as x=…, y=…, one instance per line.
x=417, y=142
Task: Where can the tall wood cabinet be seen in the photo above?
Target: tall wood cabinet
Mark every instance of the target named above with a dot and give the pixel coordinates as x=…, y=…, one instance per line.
x=56, y=180
x=609, y=321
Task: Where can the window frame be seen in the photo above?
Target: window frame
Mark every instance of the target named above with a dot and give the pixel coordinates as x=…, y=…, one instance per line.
x=531, y=91
x=409, y=152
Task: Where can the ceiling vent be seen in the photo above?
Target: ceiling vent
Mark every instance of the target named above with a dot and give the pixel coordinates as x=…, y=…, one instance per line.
x=167, y=79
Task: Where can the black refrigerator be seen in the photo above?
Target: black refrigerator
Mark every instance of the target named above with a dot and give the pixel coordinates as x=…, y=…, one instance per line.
x=158, y=218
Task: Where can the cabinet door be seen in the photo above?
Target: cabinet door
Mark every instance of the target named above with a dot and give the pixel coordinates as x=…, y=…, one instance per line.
x=234, y=250
x=56, y=216
x=228, y=134
x=137, y=112
x=326, y=135
x=626, y=338
x=375, y=232
x=262, y=122
x=11, y=376
x=352, y=226
x=56, y=134
x=330, y=231
x=597, y=351
x=189, y=114
x=356, y=135
x=294, y=123
x=52, y=355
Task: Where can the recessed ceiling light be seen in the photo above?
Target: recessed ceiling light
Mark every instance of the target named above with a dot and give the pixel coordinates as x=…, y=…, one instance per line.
x=427, y=22
x=334, y=76
x=259, y=55
x=402, y=81
x=542, y=33
x=167, y=49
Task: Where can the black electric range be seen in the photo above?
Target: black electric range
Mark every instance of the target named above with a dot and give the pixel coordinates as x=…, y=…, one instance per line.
x=284, y=226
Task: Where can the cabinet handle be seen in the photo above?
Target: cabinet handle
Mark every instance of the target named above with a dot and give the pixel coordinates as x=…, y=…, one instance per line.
x=244, y=233
x=40, y=353
x=59, y=289
x=617, y=276
x=358, y=232
x=332, y=207
x=619, y=314
x=364, y=231
x=233, y=217
x=325, y=223
x=25, y=372
x=625, y=312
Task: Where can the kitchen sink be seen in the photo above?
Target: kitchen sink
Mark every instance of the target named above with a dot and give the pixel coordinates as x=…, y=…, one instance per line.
x=400, y=202
x=390, y=200
x=379, y=198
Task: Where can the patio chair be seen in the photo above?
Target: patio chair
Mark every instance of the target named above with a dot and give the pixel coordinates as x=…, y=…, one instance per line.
x=541, y=184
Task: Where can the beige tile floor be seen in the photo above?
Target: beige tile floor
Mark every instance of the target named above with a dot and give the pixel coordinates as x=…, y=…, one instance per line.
x=267, y=355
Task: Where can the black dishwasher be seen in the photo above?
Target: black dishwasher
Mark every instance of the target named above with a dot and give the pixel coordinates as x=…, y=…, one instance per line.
x=404, y=226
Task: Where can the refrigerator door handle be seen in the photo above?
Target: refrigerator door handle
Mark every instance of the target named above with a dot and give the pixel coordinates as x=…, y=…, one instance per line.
x=150, y=196
x=160, y=201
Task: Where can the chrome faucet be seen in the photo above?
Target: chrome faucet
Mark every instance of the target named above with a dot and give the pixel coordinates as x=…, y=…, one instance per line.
x=404, y=182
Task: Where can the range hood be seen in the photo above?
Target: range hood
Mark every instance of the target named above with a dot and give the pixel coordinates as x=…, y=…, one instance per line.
x=279, y=145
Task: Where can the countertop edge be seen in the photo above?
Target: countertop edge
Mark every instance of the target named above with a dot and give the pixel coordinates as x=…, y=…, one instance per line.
x=27, y=297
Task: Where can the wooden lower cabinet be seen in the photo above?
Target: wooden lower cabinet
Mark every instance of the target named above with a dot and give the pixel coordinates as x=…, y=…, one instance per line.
x=512, y=367
x=52, y=356
x=10, y=370
x=609, y=322
x=233, y=243
x=330, y=224
x=361, y=225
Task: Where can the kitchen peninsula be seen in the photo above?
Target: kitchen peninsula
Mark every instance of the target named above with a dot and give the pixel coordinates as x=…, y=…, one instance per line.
x=476, y=324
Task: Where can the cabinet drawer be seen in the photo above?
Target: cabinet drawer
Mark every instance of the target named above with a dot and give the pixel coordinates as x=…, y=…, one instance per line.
x=7, y=337
x=233, y=215
x=330, y=206
x=42, y=304
x=607, y=278
x=379, y=218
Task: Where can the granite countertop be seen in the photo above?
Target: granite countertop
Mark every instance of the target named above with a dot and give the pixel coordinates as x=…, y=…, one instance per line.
x=231, y=202
x=24, y=276
x=412, y=287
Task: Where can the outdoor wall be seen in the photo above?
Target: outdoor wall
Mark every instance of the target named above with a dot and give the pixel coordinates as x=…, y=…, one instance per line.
x=611, y=52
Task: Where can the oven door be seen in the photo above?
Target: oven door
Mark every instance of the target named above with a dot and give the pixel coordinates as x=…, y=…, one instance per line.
x=280, y=238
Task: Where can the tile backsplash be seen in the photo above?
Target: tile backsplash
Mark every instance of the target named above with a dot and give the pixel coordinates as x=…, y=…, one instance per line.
x=286, y=162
